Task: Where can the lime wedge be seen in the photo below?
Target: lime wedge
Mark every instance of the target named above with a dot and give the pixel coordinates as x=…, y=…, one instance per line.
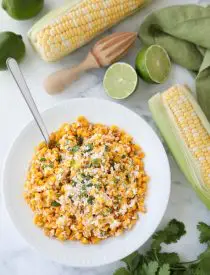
x=153, y=64
x=120, y=80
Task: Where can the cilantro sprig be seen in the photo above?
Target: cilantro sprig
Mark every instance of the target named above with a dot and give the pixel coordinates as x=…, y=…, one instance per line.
x=156, y=262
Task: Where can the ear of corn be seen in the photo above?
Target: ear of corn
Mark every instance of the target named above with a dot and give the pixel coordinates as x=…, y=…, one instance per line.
x=187, y=133
x=64, y=30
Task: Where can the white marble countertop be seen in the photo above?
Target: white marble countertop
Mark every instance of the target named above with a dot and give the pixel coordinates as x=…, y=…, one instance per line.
x=16, y=257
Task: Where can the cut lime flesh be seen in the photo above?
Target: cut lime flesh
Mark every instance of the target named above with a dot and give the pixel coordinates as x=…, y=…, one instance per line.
x=153, y=64
x=120, y=80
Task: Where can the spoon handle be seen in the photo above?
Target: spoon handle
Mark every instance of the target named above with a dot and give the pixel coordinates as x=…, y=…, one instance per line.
x=20, y=81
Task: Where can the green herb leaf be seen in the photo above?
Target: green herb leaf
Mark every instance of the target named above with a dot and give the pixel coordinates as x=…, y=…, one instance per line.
x=83, y=194
x=89, y=185
x=74, y=183
x=149, y=269
x=51, y=165
x=106, y=148
x=86, y=177
x=42, y=159
x=169, y=258
x=98, y=186
x=164, y=270
x=74, y=149
x=70, y=197
x=171, y=234
x=132, y=261
x=204, y=264
x=96, y=163
x=90, y=200
x=88, y=147
x=204, y=232
x=122, y=271
x=55, y=203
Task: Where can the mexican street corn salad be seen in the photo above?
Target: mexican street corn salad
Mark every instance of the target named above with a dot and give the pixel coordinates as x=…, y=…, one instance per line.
x=89, y=185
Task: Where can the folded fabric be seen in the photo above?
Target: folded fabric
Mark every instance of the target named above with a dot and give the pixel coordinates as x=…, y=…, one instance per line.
x=184, y=31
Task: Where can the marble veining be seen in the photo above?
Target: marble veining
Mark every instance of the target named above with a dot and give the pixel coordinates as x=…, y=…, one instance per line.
x=16, y=257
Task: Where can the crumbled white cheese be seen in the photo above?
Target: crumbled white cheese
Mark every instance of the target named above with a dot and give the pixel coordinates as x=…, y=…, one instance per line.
x=114, y=224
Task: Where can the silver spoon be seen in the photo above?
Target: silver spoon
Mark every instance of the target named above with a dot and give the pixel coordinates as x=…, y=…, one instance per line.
x=14, y=69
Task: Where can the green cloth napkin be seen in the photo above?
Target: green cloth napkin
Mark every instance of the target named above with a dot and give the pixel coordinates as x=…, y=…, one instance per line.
x=184, y=31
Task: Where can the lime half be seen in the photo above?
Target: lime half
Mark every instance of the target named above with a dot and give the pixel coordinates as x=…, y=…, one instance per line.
x=153, y=64
x=120, y=80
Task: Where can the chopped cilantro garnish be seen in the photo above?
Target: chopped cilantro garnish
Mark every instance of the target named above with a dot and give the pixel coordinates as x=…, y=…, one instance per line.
x=96, y=163
x=55, y=203
x=90, y=200
x=83, y=194
x=74, y=183
x=89, y=185
x=98, y=186
x=70, y=197
x=42, y=159
x=74, y=149
x=88, y=147
x=86, y=177
x=106, y=148
x=51, y=165
x=83, y=187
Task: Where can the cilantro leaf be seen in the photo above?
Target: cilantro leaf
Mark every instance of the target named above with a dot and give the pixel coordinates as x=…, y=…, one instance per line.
x=204, y=264
x=149, y=269
x=162, y=258
x=42, y=159
x=88, y=147
x=171, y=234
x=164, y=270
x=204, y=232
x=55, y=203
x=122, y=271
x=169, y=258
x=132, y=261
x=90, y=200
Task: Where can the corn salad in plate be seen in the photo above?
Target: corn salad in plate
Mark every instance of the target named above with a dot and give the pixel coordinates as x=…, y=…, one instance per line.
x=89, y=185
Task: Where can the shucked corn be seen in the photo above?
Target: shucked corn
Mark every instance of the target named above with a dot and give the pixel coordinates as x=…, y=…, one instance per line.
x=63, y=31
x=191, y=129
x=89, y=185
x=187, y=133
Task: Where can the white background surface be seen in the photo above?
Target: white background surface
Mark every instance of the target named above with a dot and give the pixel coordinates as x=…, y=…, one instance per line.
x=16, y=257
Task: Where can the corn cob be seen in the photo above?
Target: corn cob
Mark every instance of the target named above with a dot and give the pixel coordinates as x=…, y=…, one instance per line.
x=66, y=29
x=187, y=133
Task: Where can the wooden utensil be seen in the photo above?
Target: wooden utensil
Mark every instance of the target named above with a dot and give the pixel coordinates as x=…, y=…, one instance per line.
x=105, y=52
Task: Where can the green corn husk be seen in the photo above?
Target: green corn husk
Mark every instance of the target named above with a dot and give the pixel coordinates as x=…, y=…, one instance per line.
x=196, y=170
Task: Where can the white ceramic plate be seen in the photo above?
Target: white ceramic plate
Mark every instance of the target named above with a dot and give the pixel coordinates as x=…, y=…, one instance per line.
x=157, y=167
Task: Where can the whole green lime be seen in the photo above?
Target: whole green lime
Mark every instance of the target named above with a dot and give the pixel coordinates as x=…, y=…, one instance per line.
x=22, y=9
x=11, y=45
